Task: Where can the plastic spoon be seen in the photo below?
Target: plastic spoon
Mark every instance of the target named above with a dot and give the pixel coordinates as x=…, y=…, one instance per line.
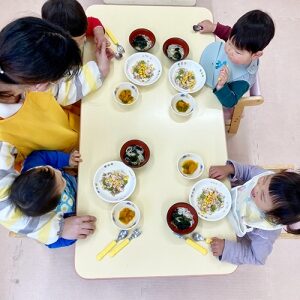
x=122, y=235
x=120, y=246
x=118, y=55
x=197, y=27
x=193, y=244
x=196, y=236
x=120, y=49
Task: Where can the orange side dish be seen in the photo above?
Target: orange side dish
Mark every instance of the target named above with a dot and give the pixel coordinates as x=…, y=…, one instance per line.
x=126, y=215
x=126, y=97
x=189, y=167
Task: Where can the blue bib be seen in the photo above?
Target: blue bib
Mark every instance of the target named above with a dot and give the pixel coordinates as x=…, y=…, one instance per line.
x=67, y=200
x=214, y=58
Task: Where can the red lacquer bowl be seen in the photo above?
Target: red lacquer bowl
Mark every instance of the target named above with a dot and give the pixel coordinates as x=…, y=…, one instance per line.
x=176, y=41
x=139, y=143
x=142, y=39
x=173, y=227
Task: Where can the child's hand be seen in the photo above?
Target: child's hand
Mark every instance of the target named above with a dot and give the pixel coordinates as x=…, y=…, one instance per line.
x=223, y=77
x=220, y=172
x=75, y=158
x=207, y=26
x=110, y=53
x=217, y=246
x=78, y=227
x=103, y=60
x=99, y=37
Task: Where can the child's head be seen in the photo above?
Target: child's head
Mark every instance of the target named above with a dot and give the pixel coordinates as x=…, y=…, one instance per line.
x=35, y=52
x=37, y=191
x=249, y=36
x=69, y=15
x=278, y=195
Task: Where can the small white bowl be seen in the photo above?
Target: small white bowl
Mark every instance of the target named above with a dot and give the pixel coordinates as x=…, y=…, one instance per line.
x=126, y=86
x=194, y=157
x=116, y=212
x=186, y=98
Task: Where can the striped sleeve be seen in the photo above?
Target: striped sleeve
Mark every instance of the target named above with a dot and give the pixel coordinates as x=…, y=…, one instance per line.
x=45, y=228
x=70, y=91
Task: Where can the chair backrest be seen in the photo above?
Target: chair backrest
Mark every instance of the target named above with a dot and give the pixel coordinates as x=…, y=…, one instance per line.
x=254, y=98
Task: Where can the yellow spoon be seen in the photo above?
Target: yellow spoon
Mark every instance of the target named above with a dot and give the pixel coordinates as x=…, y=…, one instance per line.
x=124, y=243
x=122, y=235
x=120, y=49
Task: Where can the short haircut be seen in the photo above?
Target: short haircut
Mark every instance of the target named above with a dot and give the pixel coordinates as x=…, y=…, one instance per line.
x=35, y=192
x=35, y=51
x=253, y=31
x=68, y=14
x=284, y=190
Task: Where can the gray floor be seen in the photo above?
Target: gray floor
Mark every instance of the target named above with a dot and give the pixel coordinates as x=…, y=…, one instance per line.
x=268, y=134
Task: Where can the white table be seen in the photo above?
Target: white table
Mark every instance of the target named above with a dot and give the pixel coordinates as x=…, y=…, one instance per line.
x=105, y=126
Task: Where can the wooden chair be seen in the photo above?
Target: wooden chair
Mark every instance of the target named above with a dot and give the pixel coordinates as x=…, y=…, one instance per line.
x=280, y=168
x=254, y=98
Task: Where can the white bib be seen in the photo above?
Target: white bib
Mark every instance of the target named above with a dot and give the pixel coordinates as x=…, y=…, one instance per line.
x=244, y=215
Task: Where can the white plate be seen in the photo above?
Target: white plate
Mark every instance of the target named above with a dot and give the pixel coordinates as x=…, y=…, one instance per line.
x=110, y=167
x=125, y=86
x=150, y=59
x=188, y=99
x=116, y=211
x=191, y=156
x=221, y=188
x=188, y=65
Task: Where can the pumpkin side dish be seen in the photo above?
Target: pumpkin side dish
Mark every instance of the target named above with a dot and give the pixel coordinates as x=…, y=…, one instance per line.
x=182, y=106
x=126, y=215
x=189, y=167
x=126, y=97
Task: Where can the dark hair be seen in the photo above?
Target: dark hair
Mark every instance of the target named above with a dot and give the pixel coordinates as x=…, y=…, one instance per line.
x=68, y=14
x=253, y=31
x=34, y=51
x=34, y=192
x=284, y=190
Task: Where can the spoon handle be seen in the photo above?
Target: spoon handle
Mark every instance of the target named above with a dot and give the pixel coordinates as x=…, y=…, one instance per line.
x=196, y=246
x=119, y=247
x=111, y=36
x=102, y=253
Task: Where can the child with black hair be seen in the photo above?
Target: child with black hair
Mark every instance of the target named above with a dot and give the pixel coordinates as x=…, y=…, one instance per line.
x=69, y=15
x=43, y=186
x=231, y=67
x=262, y=203
x=35, y=55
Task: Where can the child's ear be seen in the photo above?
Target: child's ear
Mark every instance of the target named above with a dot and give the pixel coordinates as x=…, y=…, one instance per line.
x=257, y=55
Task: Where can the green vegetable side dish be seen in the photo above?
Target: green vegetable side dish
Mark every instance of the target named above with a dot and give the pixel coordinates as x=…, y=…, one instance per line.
x=182, y=218
x=142, y=43
x=134, y=155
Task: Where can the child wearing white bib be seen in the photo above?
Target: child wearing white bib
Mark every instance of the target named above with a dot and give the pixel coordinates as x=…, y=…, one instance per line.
x=262, y=203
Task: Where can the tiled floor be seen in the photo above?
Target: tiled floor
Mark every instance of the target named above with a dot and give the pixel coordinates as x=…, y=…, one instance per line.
x=268, y=134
